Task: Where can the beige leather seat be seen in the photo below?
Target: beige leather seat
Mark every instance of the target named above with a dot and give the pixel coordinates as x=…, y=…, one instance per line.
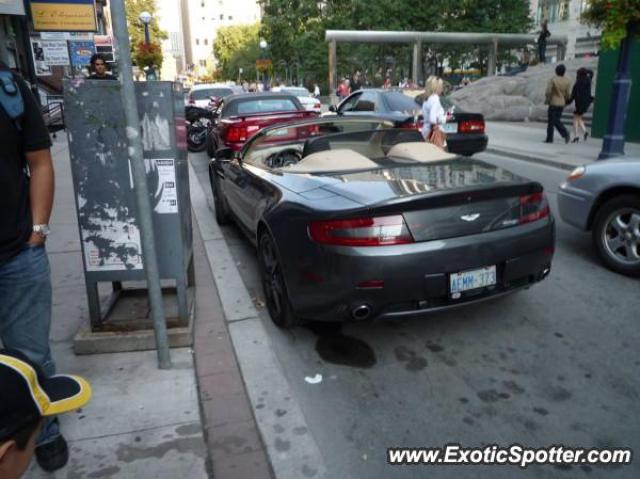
x=419, y=151
x=331, y=160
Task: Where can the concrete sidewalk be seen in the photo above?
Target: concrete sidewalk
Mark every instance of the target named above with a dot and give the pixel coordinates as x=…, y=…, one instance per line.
x=141, y=422
x=525, y=141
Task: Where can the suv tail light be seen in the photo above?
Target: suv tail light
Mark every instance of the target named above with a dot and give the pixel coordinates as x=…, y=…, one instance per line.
x=191, y=100
x=471, y=126
x=533, y=207
x=381, y=231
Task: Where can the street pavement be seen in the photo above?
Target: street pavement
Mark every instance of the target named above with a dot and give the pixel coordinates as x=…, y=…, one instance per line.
x=554, y=364
x=526, y=142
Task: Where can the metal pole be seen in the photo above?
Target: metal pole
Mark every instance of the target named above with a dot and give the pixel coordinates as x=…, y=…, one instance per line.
x=417, y=54
x=140, y=181
x=332, y=71
x=147, y=40
x=613, y=141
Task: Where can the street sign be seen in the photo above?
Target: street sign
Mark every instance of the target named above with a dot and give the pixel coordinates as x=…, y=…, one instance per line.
x=263, y=63
x=64, y=16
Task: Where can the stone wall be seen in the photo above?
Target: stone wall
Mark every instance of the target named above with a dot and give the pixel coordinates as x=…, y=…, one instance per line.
x=519, y=97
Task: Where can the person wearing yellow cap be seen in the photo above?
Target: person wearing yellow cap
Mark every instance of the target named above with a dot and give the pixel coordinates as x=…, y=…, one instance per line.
x=27, y=396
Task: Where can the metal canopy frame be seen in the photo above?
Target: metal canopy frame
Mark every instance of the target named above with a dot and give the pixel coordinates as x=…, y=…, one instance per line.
x=332, y=37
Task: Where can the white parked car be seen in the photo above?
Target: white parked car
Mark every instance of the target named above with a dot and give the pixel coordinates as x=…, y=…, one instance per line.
x=308, y=101
x=201, y=94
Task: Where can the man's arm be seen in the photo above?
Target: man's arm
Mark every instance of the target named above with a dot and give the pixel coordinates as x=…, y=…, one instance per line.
x=41, y=188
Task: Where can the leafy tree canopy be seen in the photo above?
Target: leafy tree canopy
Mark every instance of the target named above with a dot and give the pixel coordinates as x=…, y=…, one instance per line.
x=613, y=16
x=237, y=47
x=295, y=30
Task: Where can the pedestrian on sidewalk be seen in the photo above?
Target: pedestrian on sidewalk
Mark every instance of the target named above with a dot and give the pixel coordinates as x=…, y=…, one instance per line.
x=542, y=41
x=557, y=96
x=27, y=396
x=581, y=95
x=99, y=67
x=27, y=185
x=433, y=113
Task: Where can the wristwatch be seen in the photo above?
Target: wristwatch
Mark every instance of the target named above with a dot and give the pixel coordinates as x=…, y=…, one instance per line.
x=42, y=230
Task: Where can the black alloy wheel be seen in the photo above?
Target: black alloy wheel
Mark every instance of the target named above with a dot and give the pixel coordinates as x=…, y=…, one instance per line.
x=616, y=234
x=273, y=285
x=195, y=143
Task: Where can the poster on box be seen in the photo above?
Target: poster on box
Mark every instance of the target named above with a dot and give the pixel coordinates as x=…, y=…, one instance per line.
x=81, y=52
x=56, y=52
x=39, y=62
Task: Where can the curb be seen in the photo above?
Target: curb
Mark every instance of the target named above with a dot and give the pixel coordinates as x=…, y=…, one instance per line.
x=261, y=370
x=533, y=159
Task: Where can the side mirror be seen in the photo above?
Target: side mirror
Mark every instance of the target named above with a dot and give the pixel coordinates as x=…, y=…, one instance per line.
x=224, y=154
x=333, y=109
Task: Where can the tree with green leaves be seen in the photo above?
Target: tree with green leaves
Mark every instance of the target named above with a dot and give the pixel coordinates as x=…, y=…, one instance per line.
x=295, y=30
x=237, y=47
x=136, y=32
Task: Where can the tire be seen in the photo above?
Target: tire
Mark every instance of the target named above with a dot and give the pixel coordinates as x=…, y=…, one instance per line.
x=222, y=212
x=616, y=234
x=273, y=284
x=193, y=146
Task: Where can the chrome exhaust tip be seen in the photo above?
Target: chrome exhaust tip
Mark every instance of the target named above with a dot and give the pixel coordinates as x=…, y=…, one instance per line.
x=361, y=312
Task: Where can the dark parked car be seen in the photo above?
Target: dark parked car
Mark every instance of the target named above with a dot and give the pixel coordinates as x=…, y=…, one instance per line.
x=465, y=131
x=355, y=219
x=604, y=198
x=239, y=117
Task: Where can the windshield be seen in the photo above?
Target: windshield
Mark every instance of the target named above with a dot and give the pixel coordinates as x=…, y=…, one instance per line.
x=287, y=145
x=250, y=106
x=397, y=101
x=297, y=91
x=206, y=93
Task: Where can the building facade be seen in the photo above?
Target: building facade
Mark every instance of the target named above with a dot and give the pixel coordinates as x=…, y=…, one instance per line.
x=564, y=19
x=170, y=19
x=203, y=18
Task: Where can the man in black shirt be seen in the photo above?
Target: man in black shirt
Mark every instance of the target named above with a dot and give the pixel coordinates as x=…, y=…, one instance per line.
x=99, y=67
x=26, y=199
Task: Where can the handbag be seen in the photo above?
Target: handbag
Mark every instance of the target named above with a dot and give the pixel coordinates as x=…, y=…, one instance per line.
x=437, y=137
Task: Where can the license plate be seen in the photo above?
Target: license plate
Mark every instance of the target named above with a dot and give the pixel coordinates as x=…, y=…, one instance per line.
x=474, y=279
x=449, y=127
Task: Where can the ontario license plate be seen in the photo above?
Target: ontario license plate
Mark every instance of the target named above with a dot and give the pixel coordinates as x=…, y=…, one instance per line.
x=449, y=127
x=474, y=279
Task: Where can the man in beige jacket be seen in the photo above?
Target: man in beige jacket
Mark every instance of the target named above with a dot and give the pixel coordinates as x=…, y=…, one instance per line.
x=556, y=96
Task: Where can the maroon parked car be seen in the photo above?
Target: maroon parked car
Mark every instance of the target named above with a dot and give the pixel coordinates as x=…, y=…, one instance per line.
x=239, y=117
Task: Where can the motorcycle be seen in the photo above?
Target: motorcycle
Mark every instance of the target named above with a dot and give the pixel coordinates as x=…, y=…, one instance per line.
x=199, y=124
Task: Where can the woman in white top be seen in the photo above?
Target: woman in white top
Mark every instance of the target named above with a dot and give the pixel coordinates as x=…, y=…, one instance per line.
x=432, y=112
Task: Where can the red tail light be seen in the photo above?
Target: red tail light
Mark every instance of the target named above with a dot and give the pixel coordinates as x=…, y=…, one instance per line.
x=471, y=126
x=413, y=125
x=381, y=231
x=317, y=105
x=235, y=134
x=533, y=207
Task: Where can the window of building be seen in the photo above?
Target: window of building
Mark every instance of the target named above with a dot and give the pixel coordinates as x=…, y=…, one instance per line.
x=203, y=63
x=206, y=41
x=197, y=41
x=221, y=16
x=230, y=17
x=202, y=3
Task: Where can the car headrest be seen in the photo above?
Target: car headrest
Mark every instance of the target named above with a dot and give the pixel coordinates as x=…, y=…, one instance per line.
x=420, y=151
x=331, y=160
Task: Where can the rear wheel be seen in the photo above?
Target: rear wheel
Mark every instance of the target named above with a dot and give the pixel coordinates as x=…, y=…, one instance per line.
x=273, y=285
x=616, y=234
x=195, y=143
x=222, y=213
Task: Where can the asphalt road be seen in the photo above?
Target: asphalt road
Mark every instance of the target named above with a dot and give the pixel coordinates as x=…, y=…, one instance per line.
x=555, y=364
